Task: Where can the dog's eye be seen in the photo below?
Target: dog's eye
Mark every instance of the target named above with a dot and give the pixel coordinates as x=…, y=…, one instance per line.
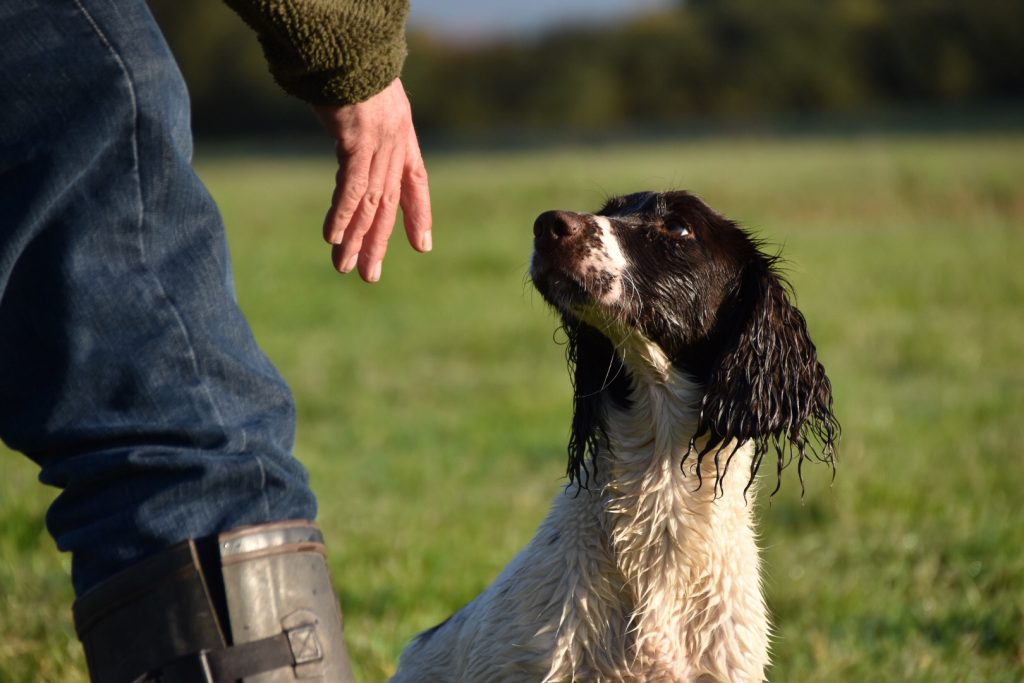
x=677, y=228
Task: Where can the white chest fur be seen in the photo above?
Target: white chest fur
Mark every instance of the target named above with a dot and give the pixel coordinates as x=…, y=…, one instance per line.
x=682, y=561
x=643, y=577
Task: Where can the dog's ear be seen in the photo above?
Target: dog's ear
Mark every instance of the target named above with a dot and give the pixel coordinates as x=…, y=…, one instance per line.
x=598, y=374
x=767, y=384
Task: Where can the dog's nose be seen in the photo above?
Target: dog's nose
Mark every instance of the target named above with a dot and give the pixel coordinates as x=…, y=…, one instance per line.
x=557, y=224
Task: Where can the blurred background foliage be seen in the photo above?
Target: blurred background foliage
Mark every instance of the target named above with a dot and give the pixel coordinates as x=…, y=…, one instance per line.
x=738, y=61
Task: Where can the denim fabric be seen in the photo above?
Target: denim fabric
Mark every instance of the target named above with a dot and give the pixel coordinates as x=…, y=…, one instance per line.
x=127, y=370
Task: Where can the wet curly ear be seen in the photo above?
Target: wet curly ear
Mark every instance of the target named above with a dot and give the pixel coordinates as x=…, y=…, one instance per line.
x=598, y=373
x=767, y=385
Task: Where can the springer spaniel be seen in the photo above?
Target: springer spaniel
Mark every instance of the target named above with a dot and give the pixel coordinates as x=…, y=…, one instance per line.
x=688, y=361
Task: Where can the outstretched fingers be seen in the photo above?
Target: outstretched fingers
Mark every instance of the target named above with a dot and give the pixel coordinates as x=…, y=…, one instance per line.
x=380, y=168
x=375, y=242
x=415, y=198
x=366, y=209
x=350, y=185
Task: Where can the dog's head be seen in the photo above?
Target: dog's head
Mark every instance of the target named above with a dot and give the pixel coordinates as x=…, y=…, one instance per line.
x=667, y=268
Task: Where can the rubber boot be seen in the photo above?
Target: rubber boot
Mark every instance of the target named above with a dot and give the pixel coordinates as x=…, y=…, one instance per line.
x=255, y=604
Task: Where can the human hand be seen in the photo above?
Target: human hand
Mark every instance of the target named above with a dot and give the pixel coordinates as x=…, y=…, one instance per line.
x=379, y=168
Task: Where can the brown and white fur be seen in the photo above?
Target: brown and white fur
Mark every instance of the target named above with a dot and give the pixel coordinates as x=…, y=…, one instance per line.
x=689, y=362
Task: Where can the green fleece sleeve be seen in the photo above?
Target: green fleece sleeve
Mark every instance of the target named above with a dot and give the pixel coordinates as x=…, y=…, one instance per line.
x=329, y=51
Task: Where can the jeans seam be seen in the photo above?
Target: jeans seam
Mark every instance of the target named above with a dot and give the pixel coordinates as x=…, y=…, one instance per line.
x=263, y=488
x=139, y=220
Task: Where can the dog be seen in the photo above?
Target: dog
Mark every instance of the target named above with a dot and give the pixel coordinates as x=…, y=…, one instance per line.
x=690, y=364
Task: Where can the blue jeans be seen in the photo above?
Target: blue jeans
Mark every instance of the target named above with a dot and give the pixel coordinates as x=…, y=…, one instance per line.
x=127, y=370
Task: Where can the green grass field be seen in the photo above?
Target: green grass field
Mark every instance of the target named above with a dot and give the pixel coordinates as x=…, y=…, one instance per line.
x=434, y=406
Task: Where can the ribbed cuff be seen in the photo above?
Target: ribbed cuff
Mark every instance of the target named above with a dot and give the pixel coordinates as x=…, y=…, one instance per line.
x=330, y=51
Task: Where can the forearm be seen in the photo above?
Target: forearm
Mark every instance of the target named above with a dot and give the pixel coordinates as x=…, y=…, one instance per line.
x=329, y=51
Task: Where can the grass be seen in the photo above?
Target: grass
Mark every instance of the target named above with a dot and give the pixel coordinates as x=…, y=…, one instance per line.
x=434, y=406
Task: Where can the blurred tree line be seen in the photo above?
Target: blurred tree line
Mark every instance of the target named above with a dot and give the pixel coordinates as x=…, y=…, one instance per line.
x=701, y=60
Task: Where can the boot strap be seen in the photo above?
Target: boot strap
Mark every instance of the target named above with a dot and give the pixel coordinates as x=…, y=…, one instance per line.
x=296, y=646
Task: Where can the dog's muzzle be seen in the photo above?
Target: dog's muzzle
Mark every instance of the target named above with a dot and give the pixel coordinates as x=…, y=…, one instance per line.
x=556, y=255
x=576, y=260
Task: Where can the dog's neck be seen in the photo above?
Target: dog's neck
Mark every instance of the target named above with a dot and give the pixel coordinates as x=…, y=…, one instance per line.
x=683, y=545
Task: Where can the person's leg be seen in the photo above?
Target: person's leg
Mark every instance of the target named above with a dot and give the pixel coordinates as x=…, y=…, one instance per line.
x=127, y=371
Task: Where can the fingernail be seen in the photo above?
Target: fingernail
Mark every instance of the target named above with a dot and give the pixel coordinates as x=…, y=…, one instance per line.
x=332, y=234
x=373, y=275
x=427, y=241
x=348, y=265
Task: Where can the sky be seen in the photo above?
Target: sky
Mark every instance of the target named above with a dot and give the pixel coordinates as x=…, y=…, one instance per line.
x=475, y=18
